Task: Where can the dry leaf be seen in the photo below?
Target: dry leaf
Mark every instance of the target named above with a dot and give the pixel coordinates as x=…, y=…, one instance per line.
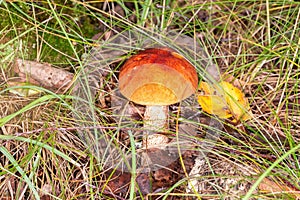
x=212, y=101
x=234, y=81
x=23, y=92
x=269, y=186
x=224, y=100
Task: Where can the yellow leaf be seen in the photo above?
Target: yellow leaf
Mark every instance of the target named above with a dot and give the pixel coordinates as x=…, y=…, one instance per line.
x=24, y=92
x=236, y=101
x=224, y=100
x=212, y=103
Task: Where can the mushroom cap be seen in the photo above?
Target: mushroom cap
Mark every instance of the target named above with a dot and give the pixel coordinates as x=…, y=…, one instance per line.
x=157, y=76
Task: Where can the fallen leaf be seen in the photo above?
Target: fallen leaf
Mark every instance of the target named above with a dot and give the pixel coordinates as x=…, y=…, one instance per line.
x=234, y=81
x=118, y=182
x=224, y=100
x=212, y=101
x=237, y=102
x=144, y=183
x=22, y=91
x=269, y=186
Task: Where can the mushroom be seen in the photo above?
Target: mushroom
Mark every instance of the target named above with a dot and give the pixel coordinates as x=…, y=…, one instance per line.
x=157, y=78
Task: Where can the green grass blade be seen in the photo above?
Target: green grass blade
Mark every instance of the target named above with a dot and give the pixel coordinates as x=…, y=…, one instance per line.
x=46, y=146
x=21, y=171
x=267, y=171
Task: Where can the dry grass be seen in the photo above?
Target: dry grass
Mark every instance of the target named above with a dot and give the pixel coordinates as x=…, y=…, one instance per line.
x=256, y=42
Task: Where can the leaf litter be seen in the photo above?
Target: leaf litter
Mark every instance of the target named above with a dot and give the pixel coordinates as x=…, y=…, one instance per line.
x=139, y=112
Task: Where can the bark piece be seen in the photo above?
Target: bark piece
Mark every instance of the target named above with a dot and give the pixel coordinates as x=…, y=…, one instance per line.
x=44, y=74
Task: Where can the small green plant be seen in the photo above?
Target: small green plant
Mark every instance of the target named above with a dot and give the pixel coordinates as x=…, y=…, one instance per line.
x=255, y=42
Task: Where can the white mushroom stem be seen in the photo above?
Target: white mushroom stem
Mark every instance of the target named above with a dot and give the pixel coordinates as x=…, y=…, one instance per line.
x=155, y=120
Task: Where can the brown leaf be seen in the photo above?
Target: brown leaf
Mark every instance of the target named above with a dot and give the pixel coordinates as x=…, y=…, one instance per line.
x=269, y=186
x=119, y=183
x=144, y=183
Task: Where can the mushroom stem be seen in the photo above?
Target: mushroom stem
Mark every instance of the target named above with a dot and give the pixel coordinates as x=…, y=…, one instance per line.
x=155, y=120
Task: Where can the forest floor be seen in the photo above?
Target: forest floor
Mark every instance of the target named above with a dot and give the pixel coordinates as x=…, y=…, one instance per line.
x=51, y=133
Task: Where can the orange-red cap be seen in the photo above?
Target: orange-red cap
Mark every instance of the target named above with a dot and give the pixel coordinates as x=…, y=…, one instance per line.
x=157, y=76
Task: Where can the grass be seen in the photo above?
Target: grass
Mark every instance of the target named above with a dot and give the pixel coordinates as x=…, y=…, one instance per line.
x=257, y=42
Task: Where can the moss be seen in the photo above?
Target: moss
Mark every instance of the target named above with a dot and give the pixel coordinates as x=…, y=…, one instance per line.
x=17, y=18
x=11, y=18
